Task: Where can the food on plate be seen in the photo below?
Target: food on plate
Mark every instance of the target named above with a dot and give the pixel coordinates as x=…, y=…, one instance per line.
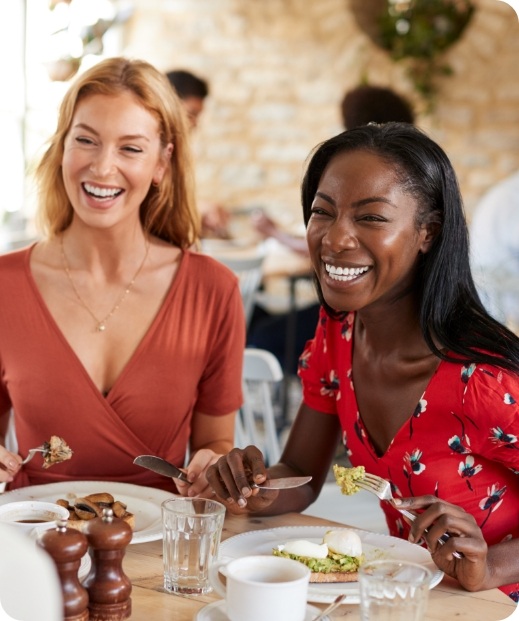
x=346, y=478
x=336, y=559
x=55, y=451
x=84, y=509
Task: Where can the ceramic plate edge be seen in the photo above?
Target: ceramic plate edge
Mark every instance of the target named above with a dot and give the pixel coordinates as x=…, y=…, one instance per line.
x=151, y=533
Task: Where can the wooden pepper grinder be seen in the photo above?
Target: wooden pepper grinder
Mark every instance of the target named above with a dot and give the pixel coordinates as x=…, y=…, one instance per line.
x=67, y=547
x=108, y=586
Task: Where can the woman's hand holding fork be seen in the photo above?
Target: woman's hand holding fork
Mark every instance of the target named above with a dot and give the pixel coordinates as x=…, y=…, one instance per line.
x=434, y=517
x=10, y=463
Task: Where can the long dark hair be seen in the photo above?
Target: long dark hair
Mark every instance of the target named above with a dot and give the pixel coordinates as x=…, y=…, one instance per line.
x=451, y=312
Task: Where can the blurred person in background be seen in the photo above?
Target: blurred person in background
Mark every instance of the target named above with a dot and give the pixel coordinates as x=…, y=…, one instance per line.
x=494, y=250
x=359, y=106
x=192, y=91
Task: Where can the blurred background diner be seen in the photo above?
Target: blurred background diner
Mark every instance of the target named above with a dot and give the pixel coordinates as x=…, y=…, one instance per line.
x=276, y=73
x=495, y=250
x=192, y=91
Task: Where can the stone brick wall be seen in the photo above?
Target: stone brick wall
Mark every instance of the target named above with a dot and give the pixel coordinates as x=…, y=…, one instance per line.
x=279, y=68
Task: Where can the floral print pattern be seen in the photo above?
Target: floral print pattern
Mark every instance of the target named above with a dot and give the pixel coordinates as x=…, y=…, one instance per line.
x=459, y=443
x=467, y=470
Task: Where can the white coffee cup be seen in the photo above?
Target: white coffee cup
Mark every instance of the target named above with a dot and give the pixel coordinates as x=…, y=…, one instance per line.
x=28, y=515
x=262, y=587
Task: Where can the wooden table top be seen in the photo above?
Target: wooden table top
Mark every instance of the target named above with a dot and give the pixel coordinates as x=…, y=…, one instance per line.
x=143, y=565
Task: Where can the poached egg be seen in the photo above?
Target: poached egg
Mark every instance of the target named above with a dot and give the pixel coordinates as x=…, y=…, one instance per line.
x=302, y=547
x=343, y=542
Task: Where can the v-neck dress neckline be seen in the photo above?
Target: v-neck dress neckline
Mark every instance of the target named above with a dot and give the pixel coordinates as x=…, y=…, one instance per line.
x=70, y=352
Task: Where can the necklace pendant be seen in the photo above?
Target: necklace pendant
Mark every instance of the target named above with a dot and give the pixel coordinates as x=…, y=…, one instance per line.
x=101, y=327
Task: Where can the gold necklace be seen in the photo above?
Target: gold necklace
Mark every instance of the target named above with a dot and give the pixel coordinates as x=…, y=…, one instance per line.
x=101, y=323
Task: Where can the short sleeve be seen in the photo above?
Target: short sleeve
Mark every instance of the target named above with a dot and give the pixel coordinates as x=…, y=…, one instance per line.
x=490, y=405
x=220, y=388
x=316, y=371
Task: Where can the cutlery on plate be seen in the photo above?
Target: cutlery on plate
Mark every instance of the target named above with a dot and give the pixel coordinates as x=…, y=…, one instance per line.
x=382, y=488
x=161, y=466
x=335, y=604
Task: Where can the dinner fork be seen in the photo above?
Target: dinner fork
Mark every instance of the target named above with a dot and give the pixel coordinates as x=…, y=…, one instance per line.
x=32, y=452
x=382, y=488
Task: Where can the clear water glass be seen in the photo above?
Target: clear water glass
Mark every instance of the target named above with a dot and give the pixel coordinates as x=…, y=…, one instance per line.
x=192, y=528
x=393, y=591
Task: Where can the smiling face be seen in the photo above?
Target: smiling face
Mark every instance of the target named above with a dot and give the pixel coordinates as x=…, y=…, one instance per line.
x=112, y=154
x=362, y=234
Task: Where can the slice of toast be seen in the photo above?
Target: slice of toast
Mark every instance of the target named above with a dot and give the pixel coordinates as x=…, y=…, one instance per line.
x=333, y=576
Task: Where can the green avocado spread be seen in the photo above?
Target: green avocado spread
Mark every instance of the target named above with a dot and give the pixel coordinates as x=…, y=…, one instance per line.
x=332, y=563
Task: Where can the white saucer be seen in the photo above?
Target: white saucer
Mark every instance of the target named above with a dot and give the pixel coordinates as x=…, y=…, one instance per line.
x=216, y=612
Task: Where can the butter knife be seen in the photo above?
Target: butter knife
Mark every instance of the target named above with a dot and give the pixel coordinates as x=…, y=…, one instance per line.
x=161, y=466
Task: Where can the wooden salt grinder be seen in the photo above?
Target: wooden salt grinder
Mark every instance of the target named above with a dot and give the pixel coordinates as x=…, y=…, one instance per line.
x=67, y=547
x=108, y=586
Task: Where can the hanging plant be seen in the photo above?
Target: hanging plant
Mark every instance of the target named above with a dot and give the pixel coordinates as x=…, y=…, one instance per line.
x=419, y=32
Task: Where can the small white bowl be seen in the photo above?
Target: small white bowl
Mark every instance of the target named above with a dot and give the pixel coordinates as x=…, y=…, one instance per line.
x=30, y=514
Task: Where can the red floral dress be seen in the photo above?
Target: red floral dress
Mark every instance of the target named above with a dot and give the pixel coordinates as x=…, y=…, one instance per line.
x=460, y=443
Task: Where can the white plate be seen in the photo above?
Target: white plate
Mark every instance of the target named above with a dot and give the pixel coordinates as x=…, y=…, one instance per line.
x=374, y=546
x=216, y=612
x=143, y=502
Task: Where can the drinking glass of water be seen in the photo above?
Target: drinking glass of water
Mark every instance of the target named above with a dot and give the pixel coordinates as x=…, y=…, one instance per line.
x=192, y=528
x=393, y=591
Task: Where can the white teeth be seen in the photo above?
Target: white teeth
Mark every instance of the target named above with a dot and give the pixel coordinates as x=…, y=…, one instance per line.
x=345, y=273
x=101, y=192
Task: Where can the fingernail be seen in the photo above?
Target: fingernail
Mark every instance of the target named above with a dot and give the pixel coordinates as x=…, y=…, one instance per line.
x=242, y=502
x=397, y=501
x=410, y=538
x=11, y=464
x=245, y=491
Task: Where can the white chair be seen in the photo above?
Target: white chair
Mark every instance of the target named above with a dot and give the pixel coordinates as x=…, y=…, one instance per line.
x=250, y=273
x=255, y=423
x=30, y=588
